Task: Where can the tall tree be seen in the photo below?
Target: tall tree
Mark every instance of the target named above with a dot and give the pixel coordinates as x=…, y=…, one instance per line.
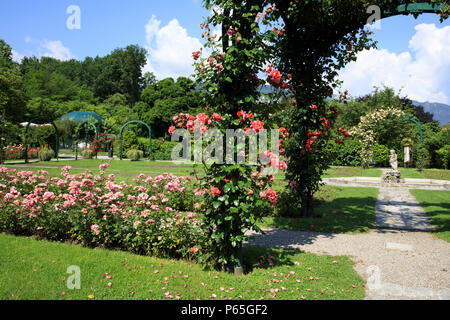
x=120, y=72
x=12, y=95
x=165, y=98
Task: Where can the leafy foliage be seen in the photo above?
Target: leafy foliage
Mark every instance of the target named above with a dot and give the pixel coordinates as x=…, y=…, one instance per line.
x=134, y=155
x=46, y=154
x=162, y=99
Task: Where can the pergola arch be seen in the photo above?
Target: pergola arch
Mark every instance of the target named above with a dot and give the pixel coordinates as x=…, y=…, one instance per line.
x=84, y=123
x=149, y=135
x=421, y=136
x=413, y=8
x=47, y=120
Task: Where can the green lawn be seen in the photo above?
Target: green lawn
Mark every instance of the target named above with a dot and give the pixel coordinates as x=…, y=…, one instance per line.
x=124, y=170
x=436, y=204
x=438, y=174
x=341, y=210
x=351, y=172
x=32, y=269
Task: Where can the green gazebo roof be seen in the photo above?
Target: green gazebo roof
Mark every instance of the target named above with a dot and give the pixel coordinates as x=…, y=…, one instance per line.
x=81, y=116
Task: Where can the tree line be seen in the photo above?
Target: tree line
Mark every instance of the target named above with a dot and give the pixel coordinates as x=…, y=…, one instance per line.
x=113, y=86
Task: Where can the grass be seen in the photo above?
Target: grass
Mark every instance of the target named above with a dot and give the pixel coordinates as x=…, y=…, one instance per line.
x=124, y=170
x=334, y=172
x=341, y=210
x=32, y=269
x=436, y=204
x=438, y=174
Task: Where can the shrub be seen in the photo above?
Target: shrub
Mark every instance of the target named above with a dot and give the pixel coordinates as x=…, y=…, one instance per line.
x=143, y=145
x=129, y=140
x=149, y=217
x=134, y=155
x=381, y=155
x=443, y=157
x=348, y=154
x=46, y=154
x=87, y=154
x=162, y=150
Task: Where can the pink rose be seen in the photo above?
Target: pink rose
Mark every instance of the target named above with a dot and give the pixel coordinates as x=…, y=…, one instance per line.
x=94, y=228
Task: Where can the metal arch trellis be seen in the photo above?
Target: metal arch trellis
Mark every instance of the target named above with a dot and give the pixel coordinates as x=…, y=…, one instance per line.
x=415, y=7
x=26, y=135
x=149, y=136
x=89, y=123
x=421, y=136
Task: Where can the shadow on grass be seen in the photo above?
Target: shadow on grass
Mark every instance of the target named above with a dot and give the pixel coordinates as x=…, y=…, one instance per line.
x=340, y=215
x=266, y=258
x=439, y=214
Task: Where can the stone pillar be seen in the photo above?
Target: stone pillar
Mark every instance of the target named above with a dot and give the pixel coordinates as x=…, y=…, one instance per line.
x=407, y=156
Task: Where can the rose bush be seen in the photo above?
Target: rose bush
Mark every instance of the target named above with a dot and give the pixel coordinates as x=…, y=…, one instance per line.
x=236, y=196
x=153, y=216
x=17, y=152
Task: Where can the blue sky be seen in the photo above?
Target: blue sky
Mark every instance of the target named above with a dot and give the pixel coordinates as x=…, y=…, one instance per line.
x=413, y=54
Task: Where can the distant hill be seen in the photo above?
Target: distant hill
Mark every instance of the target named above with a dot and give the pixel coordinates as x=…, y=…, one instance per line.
x=440, y=111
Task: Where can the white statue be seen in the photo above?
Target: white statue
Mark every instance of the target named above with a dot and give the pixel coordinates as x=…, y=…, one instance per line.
x=393, y=160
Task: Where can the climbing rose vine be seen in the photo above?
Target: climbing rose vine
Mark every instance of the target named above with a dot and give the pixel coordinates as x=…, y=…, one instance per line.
x=365, y=130
x=236, y=196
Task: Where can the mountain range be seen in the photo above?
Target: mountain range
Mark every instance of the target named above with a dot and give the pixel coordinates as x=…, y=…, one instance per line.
x=440, y=111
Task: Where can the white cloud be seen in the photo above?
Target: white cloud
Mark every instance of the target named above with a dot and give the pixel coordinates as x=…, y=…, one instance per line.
x=16, y=56
x=57, y=50
x=170, y=49
x=54, y=49
x=422, y=74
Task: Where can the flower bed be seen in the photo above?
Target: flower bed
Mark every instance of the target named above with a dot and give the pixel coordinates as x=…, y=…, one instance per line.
x=149, y=217
x=17, y=152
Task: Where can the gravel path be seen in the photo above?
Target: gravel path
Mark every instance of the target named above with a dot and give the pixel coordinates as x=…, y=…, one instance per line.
x=397, y=264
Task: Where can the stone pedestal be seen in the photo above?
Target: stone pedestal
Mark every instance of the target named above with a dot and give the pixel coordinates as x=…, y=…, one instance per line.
x=392, y=176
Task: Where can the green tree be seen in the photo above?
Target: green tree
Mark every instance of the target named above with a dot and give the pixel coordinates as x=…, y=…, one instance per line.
x=5, y=54
x=165, y=98
x=119, y=72
x=12, y=94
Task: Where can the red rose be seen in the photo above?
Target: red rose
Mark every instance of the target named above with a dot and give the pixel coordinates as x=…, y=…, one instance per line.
x=257, y=125
x=275, y=75
x=204, y=118
x=216, y=116
x=215, y=191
